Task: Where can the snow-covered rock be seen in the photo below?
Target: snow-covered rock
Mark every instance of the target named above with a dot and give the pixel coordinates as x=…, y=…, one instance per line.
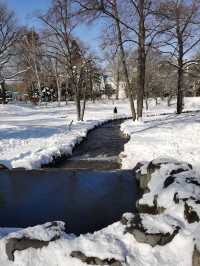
x=36, y=237
x=170, y=205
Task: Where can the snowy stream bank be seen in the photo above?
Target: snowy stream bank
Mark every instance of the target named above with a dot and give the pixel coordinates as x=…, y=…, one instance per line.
x=165, y=231
x=33, y=136
x=98, y=151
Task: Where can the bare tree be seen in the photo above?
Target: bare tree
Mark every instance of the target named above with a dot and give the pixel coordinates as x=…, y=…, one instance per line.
x=30, y=50
x=123, y=57
x=111, y=56
x=65, y=49
x=137, y=19
x=61, y=43
x=182, y=20
x=110, y=9
x=57, y=74
x=9, y=33
x=144, y=34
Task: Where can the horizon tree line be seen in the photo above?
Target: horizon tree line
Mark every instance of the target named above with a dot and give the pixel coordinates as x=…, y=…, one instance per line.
x=153, y=44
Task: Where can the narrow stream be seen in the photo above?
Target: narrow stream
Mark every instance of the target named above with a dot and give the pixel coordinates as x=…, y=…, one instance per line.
x=99, y=151
x=88, y=191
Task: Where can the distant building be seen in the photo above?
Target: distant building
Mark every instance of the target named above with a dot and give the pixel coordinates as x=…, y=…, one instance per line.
x=122, y=86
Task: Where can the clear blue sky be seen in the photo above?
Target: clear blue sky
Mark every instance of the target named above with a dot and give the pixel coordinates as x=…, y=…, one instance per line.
x=25, y=9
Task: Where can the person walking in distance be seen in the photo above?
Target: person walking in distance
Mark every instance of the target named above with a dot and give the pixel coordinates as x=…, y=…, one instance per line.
x=115, y=112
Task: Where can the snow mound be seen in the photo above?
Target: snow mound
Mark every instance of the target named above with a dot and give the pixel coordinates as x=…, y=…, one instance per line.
x=162, y=137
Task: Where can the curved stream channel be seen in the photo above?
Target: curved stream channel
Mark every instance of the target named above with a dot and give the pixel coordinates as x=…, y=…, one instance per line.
x=88, y=191
x=99, y=151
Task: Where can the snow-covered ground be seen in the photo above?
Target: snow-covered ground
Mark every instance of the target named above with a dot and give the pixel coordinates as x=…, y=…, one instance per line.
x=169, y=135
x=109, y=243
x=30, y=136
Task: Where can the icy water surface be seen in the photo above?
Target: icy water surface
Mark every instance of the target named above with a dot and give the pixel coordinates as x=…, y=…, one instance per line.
x=86, y=200
x=99, y=151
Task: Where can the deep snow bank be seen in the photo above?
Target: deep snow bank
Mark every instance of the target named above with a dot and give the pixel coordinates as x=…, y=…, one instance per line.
x=163, y=136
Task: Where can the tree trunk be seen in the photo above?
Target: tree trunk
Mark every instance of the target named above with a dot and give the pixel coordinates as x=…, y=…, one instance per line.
x=180, y=73
x=146, y=102
x=141, y=60
x=55, y=64
x=58, y=90
x=78, y=105
x=3, y=89
x=66, y=89
x=179, y=92
x=84, y=104
x=78, y=86
x=123, y=59
x=38, y=81
x=118, y=79
x=77, y=97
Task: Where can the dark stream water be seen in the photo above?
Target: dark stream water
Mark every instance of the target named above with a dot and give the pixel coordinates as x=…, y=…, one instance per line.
x=86, y=200
x=87, y=191
x=99, y=151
